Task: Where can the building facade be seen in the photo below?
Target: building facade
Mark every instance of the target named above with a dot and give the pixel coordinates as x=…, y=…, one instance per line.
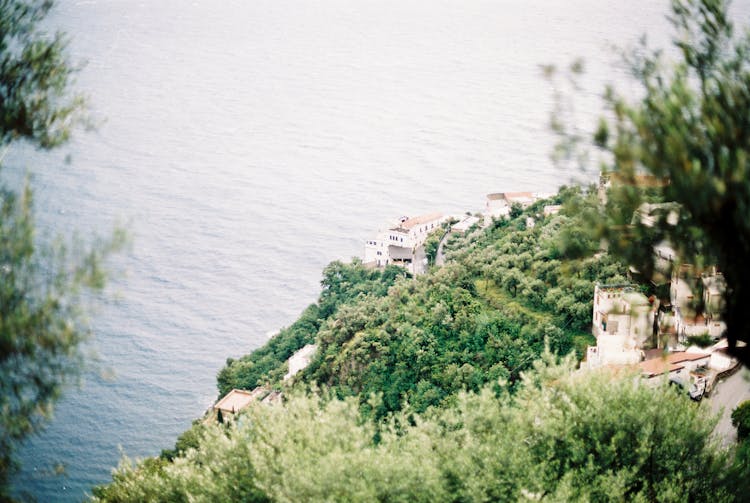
x=398, y=244
x=623, y=323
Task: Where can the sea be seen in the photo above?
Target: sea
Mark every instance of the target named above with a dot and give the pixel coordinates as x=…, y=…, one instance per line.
x=245, y=144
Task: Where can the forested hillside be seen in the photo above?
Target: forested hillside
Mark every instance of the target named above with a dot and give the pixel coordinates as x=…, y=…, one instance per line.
x=449, y=387
x=484, y=316
x=560, y=436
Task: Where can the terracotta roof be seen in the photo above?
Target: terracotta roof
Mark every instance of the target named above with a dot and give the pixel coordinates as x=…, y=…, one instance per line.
x=510, y=195
x=658, y=366
x=238, y=399
x=669, y=363
x=682, y=356
x=411, y=222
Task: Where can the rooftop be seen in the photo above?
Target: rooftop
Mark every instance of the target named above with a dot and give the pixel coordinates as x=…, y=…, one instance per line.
x=238, y=399
x=510, y=196
x=616, y=287
x=635, y=299
x=422, y=219
x=669, y=363
x=464, y=224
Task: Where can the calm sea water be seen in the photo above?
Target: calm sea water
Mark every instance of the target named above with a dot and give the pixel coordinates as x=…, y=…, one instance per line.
x=251, y=143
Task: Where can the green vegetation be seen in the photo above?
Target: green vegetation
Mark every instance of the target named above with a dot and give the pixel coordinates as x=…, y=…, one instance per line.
x=684, y=140
x=702, y=341
x=449, y=387
x=35, y=86
x=559, y=437
x=741, y=420
x=432, y=243
x=342, y=283
x=483, y=317
x=399, y=352
x=42, y=323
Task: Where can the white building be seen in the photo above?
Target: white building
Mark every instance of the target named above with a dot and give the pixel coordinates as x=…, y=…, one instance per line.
x=398, y=244
x=623, y=321
x=236, y=400
x=688, y=321
x=464, y=225
x=499, y=204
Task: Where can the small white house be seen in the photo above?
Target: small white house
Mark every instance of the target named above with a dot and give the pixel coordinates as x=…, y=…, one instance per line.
x=399, y=242
x=623, y=320
x=499, y=203
x=236, y=400
x=299, y=360
x=683, y=288
x=464, y=225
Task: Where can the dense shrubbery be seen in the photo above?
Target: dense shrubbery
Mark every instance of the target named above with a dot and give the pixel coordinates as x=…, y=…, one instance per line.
x=560, y=437
x=423, y=390
x=741, y=420
x=341, y=283
x=483, y=317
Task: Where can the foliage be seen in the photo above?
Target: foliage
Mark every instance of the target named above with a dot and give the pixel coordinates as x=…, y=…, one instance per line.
x=341, y=283
x=515, y=210
x=42, y=286
x=432, y=243
x=561, y=437
x=702, y=341
x=41, y=318
x=741, y=420
x=686, y=140
x=482, y=317
x=189, y=439
x=36, y=103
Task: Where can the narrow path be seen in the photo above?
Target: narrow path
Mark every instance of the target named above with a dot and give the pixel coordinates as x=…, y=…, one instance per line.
x=729, y=393
x=440, y=255
x=420, y=261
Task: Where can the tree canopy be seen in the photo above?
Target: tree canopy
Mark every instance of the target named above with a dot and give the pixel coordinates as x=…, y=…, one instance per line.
x=686, y=140
x=483, y=316
x=560, y=437
x=36, y=102
x=42, y=322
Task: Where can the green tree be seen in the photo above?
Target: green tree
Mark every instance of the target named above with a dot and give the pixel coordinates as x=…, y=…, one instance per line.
x=516, y=210
x=512, y=280
x=42, y=323
x=687, y=140
x=741, y=420
x=35, y=75
x=562, y=437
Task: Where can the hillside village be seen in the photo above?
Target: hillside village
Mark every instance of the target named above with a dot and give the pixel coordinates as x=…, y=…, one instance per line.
x=678, y=337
